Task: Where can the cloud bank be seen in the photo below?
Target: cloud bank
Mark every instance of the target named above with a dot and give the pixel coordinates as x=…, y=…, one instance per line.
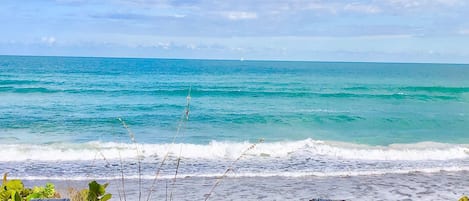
x=359, y=30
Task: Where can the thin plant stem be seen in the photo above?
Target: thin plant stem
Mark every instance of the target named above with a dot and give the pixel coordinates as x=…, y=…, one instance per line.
x=104, y=158
x=166, y=195
x=174, y=180
x=230, y=168
x=88, y=173
x=120, y=194
x=95, y=159
x=122, y=177
x=183, y=119
x=132, y=138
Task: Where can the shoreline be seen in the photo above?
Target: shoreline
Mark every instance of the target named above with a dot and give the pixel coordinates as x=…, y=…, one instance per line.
x=411, y=186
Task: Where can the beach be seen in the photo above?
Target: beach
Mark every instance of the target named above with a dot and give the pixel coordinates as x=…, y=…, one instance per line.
x=412, y=186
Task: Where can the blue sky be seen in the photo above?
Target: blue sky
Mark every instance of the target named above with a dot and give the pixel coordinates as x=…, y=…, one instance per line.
x=318, y=30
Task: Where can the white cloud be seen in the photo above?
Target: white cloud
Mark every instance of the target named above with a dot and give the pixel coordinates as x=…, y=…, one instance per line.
x=331, y=8
x=335, y=7
x=49, y=40
x=405, y=3
x=178, y=16
x=237, y=15
x=164, y=45
x=69, y=1
x=238, y=49
x=362, y=8
x=424, y=3
x=166, y=4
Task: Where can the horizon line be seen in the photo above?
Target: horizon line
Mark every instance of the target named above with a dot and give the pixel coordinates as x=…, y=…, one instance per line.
x=241, y=59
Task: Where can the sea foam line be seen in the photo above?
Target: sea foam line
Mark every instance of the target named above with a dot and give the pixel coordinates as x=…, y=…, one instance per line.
x=230, y=150
x=259, y=174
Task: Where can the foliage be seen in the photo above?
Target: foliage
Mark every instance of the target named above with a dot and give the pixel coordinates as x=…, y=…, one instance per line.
x=11, y=190
x=47, y=191
x=98, y=192
x=95, y=192
x=14, y=190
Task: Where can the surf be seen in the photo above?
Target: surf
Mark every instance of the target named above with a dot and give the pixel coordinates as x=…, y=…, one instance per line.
x=225, y=150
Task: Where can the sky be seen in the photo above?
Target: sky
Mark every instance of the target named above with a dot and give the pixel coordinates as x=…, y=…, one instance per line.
x=311, y=30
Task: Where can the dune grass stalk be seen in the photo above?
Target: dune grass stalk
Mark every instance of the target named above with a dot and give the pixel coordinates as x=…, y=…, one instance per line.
x=166, y=195
x=95, y=159
x=139, y=163
x=181, y=124
x=230, y=168
x=122, y=178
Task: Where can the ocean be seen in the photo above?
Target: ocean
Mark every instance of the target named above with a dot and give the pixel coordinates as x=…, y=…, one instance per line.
x=59, y=120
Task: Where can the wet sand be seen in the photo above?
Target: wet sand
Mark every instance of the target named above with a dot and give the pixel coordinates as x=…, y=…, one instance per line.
x=412, y=186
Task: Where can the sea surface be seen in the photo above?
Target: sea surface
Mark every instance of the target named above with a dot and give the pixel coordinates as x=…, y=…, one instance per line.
x=59, y=118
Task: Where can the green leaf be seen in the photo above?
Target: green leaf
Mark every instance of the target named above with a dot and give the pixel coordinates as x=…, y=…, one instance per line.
x=92, y=196
x=33, y=196
x=26, y=192
x=97, y=192
x=106, y=197
x=94, y=187
x=49, y=190
x=16, y=196
x=5, y=195
x=38, y=189
x=14, y=185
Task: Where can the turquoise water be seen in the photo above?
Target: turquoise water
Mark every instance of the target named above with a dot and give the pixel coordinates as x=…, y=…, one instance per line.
x=64, y=99
x=370, y=114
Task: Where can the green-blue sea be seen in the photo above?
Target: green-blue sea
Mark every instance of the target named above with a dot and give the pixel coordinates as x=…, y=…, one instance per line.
x=58, y=115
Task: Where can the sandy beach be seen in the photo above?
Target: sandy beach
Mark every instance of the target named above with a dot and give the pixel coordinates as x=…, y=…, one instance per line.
x=413, y=186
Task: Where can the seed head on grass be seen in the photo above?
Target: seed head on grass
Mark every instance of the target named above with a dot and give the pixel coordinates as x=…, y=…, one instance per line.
x=181, y=124
x=230, y=168
x=183, y=120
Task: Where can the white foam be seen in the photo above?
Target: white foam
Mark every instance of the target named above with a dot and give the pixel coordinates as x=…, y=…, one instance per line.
x=230, y=150
x=412, y=152
x=261, y=174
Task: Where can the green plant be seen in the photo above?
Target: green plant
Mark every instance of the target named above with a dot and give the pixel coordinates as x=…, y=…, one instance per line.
x=11, y=190
x=47, y=191
x=14, y=190
x=97, y=192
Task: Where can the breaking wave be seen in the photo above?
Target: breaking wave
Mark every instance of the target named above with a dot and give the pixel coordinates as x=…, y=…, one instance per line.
x=217, y=150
